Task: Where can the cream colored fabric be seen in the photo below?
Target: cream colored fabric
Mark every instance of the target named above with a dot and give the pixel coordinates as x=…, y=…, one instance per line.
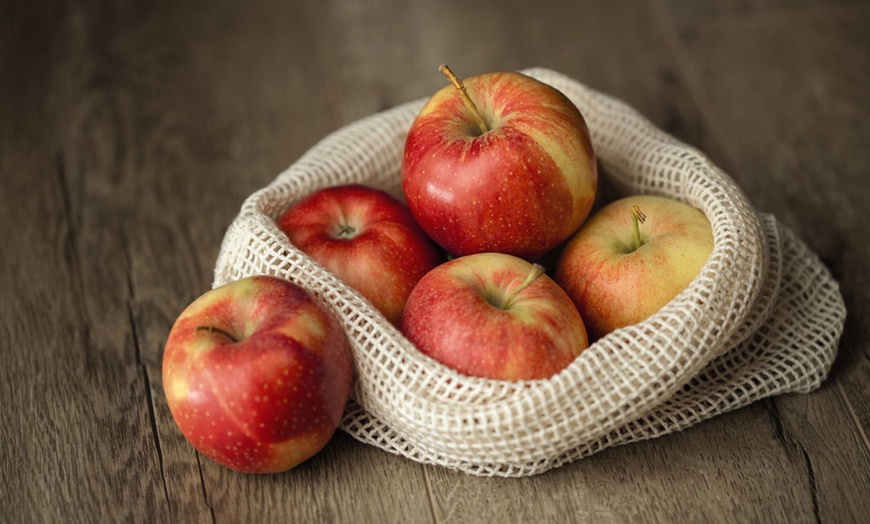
x=764, y=317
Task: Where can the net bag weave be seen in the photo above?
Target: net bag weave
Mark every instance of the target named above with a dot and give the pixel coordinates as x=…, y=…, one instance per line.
x=763, y=317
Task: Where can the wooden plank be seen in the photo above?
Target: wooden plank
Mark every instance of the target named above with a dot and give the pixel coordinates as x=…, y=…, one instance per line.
x=346, y=482
x=80, y=439
x=699, y=475
x=797, y=133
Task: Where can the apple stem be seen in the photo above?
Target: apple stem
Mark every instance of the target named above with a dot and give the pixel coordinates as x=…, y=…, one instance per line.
x=637, y=218
x=218, y=331
x=537, y=270
x=457, y=83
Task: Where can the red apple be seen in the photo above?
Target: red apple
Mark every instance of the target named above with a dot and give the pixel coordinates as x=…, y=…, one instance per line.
x=494, y=315
x=257, y=374
x=500, y=162
x=619, y=272
x=365, y=237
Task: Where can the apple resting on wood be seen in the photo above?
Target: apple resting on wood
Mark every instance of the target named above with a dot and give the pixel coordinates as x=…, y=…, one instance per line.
x=256, y=374
x=494, y=315
x=366, y=238
x=631, y=258
x=499, y=163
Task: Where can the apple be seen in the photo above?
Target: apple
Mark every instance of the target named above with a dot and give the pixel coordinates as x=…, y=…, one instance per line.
x=494, y=315
x=499, y=163
x=367, y=238
x=257, y=374
x=619, y=273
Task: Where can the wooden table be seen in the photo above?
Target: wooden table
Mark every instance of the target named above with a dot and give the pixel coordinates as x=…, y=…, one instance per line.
x=131, y=132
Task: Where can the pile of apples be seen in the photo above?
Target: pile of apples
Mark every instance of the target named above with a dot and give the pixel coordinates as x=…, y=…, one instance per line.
x=498, y=174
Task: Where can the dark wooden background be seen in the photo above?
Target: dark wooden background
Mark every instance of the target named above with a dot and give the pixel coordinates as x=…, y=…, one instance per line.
x=131, y=132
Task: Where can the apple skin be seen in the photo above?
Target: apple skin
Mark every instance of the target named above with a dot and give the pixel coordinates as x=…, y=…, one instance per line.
x=256, y=374
x=367, y=238
x=460, y=315
x=521, y=188
x=614, y=285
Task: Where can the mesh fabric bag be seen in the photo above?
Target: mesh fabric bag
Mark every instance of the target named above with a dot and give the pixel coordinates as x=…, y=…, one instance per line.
x=763, y=317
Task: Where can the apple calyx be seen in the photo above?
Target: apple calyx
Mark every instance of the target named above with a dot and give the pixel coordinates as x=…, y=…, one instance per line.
x=346, y=232
x=536, y=271
x=637, y=218
x=218, y=331
x=457, y=83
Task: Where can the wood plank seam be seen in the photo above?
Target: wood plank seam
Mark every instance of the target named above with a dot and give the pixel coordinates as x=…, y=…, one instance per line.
x=137, y=354
x=853, y=414
x=205, y=496
x=72, y=256
x=814, y=487
x=430, y=495
x=789, y=441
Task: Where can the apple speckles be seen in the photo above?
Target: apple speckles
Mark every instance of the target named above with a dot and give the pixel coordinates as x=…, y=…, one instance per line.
x=458, y=286
x=232, y=404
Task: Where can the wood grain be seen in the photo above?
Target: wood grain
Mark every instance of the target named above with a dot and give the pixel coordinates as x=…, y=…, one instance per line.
x=131, y=132
x=797, y=147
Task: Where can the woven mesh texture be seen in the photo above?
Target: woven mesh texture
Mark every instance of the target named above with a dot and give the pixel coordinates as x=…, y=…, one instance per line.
x=763, y=317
